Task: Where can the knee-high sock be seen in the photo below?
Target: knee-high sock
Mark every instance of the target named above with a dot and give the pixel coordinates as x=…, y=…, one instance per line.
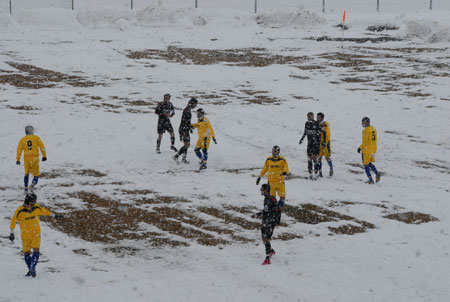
x=34, y=260
x=25, y=181
x=158, y=143
x=172, y=140
x=367, y=169
x=374, y=169
x=319, y=165
x=316, y=166
x=182, y=151
x=205, y=155
x=35, y=180
x=198, y=153
x=27, y=258
x=330, y=163
x=268, y=247
x=309, y=166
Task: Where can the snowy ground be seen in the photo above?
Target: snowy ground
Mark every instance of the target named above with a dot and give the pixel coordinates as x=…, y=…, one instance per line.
x=140, y=227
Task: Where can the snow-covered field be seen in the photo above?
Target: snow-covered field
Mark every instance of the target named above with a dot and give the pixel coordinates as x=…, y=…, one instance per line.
x=142, y=228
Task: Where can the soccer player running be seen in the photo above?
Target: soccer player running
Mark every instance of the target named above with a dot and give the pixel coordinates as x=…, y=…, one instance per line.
x=165, y=111
x=313, y=133
x=368, y=149
x=276, y=168
x=205, y=133
x=325, y=143
x=30, y=145
x=28, y=217
x=269, y=220
x=185, y=129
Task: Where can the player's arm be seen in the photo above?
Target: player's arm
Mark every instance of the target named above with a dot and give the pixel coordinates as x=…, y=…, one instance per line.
x=211, y=131
x=19, y=150
x=304, y=134
x=172, y=110
x=158, y=109
x=285, y=167
x=196, y=125
x=264, y=170
x=327, y=133
x=42, y=147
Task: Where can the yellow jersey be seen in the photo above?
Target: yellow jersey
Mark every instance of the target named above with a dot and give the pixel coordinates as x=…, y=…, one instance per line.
x=30, y=146
x=204, y=128
x=275, y=167
x=369, y=140
x=325, y=135
x=29, y=220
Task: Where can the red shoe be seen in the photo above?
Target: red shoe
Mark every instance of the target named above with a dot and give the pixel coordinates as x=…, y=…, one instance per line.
x=266, y=261
x=272, y=252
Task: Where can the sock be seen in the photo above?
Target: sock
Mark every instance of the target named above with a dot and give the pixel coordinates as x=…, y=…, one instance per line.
x=34, y=260
x=310, y=166
x=27, y=258
x=172, y=140
x=316, y=166
x=35, y=180
x=198, y=153
x=182, y=150
x=25, y=181
x=330, y=163
x=185, y=153
x=205, y=155
x=319, y=165
x=372, y=166
x=367, y=169
x=268, y=248
x=158, y=143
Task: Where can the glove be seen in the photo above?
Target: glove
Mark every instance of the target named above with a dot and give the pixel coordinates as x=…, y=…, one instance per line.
x=18, y=162
x=11, y=237
x=214, y=139
x=300, y=142
x=44, y=158
x=324, y=145
x=59, y=216
x=280, y=203
x=258, y=180
x=284, y=174
x=359, y=150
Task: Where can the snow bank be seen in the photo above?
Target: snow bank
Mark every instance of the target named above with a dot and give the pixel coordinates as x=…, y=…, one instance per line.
x=159, y=15
x=6, y=21
x=280, y=19
x=428, y=31
x=53, y=17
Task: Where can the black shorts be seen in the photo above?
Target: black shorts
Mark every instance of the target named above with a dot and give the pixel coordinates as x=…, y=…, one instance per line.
x=164, y=125
x=313, y=149
x=267, y=230
x=185, y=136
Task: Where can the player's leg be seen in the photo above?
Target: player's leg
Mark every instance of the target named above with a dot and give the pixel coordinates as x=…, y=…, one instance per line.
x=26, y=178
x=26, y=248
x=35, y=244
x=266, y=234
x=198, y=147
x=319, y=164
x=328, y=158
x=366, y=162
x=160, y=130
x=35, y=172
x=374, y=169
x=169, y=129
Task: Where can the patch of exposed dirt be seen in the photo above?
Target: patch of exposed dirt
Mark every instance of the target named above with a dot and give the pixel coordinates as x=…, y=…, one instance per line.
x=239, y=171
x=379, y=28
x=412, y=217
x=230, y=219
x=348, y=229
x=35, y=78
x=441, y=167
x=24, y=108
x=380, y=39
x=251, y=57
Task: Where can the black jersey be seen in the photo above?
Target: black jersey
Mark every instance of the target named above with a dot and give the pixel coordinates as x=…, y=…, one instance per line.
x=271, y=211
x=164, y=110
x=185, y=124
x=313, y=132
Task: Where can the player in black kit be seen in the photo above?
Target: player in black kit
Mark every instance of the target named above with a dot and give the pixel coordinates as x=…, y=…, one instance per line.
x=312, y=132
x=185, y=129
x=269, y=215
x=165, y=111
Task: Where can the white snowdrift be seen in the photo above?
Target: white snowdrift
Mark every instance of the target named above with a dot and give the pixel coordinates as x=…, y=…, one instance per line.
x=428, y=31
x=281, y=19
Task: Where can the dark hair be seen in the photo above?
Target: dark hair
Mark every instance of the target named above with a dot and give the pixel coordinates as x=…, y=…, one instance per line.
x=321, y=114
x=30, y=198
x=265, y=187
x=365, y=119
x=193, y=101
x=201, y=111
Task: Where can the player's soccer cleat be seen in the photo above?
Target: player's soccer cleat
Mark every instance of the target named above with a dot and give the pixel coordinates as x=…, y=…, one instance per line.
x=31, y=188
x=175, y=158
x=266, y=261
x=173, y=148
x=378, y=177
x=28, y=274
x=320, y=174
x=158, y=151
x=370, y=182
x=272, y=252
x=203, y=166
x=184, y=161
x=311, y=177
x=331, y=172
x=33, y=273
x=25, y=190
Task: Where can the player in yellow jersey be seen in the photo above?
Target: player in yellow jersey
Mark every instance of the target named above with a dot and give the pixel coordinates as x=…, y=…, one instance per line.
x=368, y=149
x=30, y=145
x=325, y=143
x=276, y=168
x=205, y=133
x=28, y=218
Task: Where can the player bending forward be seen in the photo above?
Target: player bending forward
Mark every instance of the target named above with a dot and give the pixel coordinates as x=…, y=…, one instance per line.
x=30, y=230
x=269, y=220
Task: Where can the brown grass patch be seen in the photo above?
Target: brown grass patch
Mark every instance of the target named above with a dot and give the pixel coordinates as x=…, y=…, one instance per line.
x=412, y=217
x=230, y=219
x=429, y=165
x=24, y=108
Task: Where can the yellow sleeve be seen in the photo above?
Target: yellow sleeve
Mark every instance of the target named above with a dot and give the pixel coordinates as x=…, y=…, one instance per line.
x=196, y=125
x=12, y=226
x=364, y=140
x=42, y=147
x=285, y=168
x=264, y=170
x=327, y=130
x=43, y=211
x=19, y=150
x=211, y=129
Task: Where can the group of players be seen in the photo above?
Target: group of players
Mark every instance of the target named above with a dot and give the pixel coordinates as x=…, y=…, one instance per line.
x=276, y=167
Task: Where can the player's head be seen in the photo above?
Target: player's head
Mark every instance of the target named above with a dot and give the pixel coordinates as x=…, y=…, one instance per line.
x=320, y=116
x=365, y=121
x=167, y=97
x=193, y=103
x=310, y=116
x=265, y=189
x=29, y=130
x=200, y=113
x=275, y=151
x=30, y=200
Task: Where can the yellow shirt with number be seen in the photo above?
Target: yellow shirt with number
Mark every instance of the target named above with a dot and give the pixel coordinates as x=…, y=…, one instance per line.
x=30, y=146
x=369, y=140
x=28, y=220
x=275, y=167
